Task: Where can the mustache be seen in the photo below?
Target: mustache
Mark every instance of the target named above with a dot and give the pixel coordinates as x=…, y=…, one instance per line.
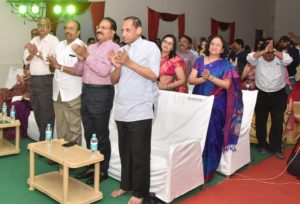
x=99, y=32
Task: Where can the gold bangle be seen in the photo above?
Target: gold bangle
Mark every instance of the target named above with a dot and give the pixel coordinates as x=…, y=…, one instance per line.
x=169, y=88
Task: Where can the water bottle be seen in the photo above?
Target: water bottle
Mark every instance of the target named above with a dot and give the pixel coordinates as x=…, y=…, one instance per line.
x=94, y=143
x=4, y=111
x=48, y=136
x=12, y=114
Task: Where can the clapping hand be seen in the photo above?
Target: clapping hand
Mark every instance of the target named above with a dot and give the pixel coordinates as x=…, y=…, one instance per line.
x=123, y=57
x=112, y=56
x=53, y=62
x=31, y=48
x=206, y=74
x=162, y=86
x=81, y=51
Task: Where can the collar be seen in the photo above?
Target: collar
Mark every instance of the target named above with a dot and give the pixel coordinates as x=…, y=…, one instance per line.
x=136, y=42
x=104, y=43
x=44, y=39
x=76, y=41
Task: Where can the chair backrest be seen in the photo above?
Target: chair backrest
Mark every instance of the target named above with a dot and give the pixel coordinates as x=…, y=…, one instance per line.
x=249, y=100
x=11, y=77
x=181, y=117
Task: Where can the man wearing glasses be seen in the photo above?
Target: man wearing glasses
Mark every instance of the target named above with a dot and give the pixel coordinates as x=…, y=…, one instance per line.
x=97, y=92
x=36, y=54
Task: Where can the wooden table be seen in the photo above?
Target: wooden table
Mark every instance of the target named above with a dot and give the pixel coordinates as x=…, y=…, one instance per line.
x=7, y=148
x=58, y=185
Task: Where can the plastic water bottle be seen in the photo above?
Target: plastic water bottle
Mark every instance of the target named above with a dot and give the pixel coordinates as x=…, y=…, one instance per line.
x=12, y=114
x=4, y=111
x=94, y=144
x=48, y=137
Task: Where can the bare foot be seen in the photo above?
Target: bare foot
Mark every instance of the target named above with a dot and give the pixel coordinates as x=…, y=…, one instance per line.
x=118, y=193
x=135, y=200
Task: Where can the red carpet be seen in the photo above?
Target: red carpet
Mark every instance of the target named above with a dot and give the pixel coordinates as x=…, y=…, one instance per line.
x=233, y=191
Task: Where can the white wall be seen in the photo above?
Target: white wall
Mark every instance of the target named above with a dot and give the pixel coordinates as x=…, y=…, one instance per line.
x=248, y=15
x=287, y=17
x=15, y=33
x=13, y=36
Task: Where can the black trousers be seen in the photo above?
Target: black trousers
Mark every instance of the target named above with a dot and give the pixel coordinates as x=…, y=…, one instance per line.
x=41, y=92
x=96, y=105
x=274, y=103
x=135, y=149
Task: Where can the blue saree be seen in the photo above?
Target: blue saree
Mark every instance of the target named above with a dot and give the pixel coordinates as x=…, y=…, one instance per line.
x=226, y=116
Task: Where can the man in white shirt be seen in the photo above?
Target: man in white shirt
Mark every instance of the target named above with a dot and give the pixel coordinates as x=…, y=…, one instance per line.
x=67, y=85
x=270, y=81
x=136, y=71
x=36, y=54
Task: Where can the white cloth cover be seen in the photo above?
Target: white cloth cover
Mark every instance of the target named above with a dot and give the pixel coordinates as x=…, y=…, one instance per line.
x=178, y=137
x=11, y=77
x=232, y=161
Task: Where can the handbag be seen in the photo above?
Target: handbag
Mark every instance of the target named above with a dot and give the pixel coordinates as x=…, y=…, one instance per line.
x=288, y=89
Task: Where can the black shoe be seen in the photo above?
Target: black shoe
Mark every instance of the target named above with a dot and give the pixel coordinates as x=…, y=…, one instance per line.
x=103, y=176
x=279, y=155
x=85, y=174
x=262, y=150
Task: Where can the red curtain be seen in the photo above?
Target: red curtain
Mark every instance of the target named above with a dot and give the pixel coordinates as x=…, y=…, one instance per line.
x=153, y=22
x=215, y=25
x=97, y=11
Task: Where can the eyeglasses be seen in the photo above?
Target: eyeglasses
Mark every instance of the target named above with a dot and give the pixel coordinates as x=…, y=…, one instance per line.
x=102, y=28
x=167, y=42
x=216, y=45
x=41, y=26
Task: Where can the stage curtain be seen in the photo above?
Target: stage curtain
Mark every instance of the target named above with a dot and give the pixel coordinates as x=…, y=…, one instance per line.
x=153, y=22
x=215, y=25
x=181, y=24
x=97, y=12
x=80, y=9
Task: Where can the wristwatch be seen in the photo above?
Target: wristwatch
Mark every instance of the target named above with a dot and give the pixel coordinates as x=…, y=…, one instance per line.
x=38, y=54
x=61, y=68
x=274, y=50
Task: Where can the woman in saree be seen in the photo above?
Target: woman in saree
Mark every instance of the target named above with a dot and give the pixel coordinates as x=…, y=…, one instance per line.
x=212, y=74
x=172, y=67
x=248, y=78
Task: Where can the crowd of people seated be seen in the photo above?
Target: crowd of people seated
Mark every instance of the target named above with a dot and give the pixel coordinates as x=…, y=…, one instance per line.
x=73, y=82
x=22, y=104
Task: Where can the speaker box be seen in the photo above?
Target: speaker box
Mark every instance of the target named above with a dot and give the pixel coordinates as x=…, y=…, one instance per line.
x=294, y=167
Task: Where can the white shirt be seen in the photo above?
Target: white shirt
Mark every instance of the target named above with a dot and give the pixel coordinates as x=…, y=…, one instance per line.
x=67, y=85
x=195, y=53
x=40, y=66
x=137, y=96
x=270, y=76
